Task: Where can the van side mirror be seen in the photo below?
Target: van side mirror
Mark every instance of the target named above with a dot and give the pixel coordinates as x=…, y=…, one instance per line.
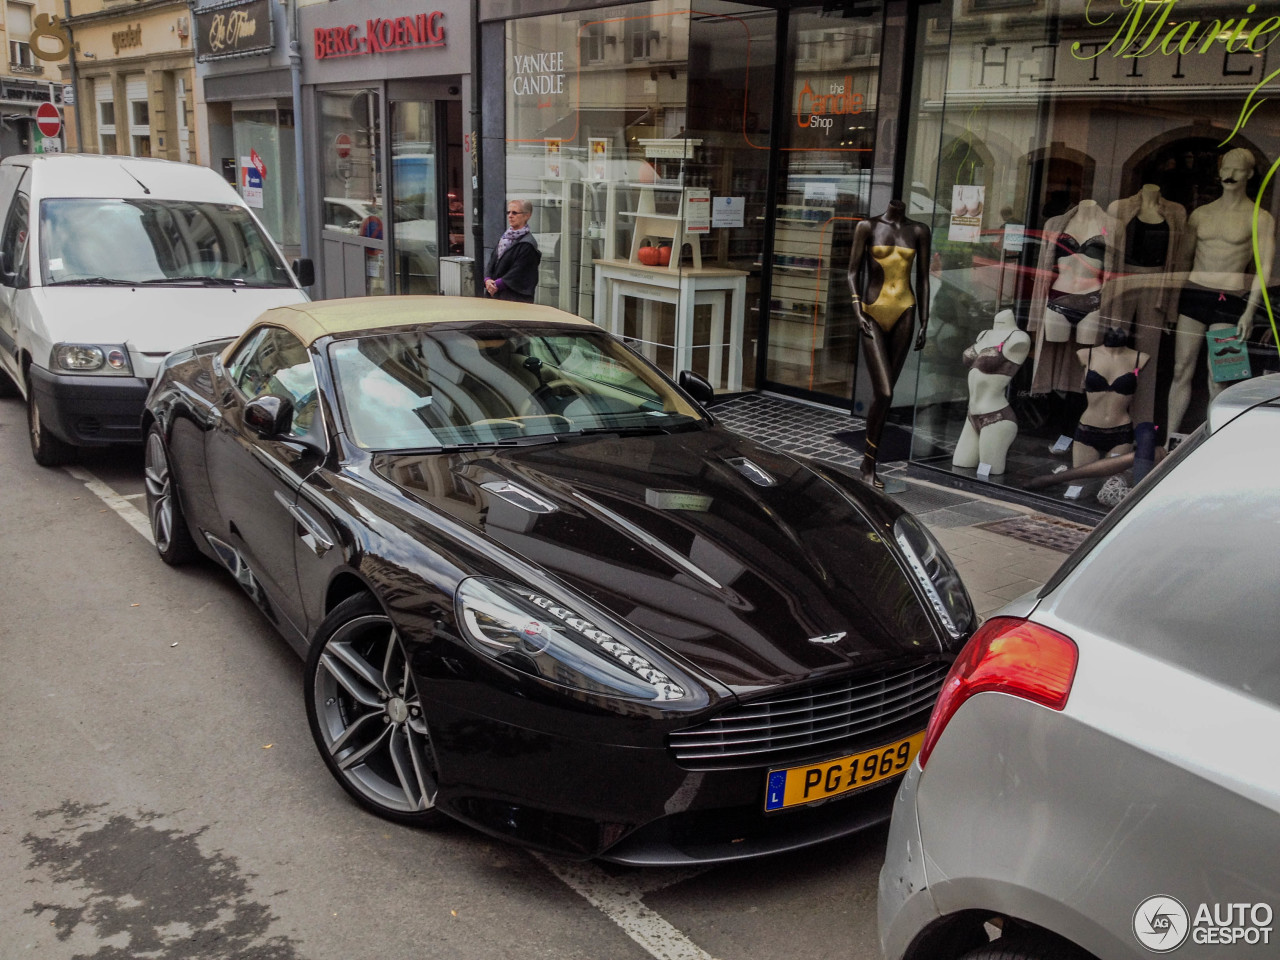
x=697, y=387
x=305, y=270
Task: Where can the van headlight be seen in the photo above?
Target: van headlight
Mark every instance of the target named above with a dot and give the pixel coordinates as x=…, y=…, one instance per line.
x=537, y=635
x=936, y=575
x=110, y=360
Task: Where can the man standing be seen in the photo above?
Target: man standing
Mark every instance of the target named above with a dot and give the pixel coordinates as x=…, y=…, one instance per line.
x=512, y=271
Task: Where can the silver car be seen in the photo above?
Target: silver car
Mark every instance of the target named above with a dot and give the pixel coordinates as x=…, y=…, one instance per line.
x=1101, y=774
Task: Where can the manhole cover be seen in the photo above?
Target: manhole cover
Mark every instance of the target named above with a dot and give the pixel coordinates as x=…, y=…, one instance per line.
x=1051, y=532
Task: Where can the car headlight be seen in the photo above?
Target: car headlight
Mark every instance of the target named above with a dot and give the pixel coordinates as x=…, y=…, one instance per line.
x=100, y=359
x=938, y=578
x=539, y=636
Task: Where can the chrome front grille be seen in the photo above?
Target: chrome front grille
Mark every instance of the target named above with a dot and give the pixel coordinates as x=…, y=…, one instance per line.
x=836, y=715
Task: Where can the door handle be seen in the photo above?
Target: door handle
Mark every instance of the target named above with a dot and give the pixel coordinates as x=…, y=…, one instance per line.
x=315, y=537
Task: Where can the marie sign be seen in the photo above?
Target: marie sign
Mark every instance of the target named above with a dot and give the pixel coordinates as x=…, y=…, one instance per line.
x=235, y=29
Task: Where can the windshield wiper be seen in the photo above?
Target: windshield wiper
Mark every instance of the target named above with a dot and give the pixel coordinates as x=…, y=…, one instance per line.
x=198, y=281
x=537, y=438
x=91, y=282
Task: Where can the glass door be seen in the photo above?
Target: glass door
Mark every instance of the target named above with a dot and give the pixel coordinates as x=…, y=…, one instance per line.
x=415, y=211
x=826, y=149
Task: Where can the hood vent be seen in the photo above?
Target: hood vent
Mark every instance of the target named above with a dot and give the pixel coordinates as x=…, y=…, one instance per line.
x=757, y=475
x=519, y=496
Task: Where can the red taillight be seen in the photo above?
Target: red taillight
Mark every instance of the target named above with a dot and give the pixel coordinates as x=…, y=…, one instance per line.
x=1011, y=656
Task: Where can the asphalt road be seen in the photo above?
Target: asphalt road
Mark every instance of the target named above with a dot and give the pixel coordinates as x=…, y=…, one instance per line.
x=160, y=794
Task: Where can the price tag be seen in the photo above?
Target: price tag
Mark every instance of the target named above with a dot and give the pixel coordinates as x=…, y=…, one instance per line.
x=984, y=471
x=1062, y=445
x=1073, y=492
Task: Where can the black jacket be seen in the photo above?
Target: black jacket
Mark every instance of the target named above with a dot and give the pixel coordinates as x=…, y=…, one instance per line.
x=517, y=268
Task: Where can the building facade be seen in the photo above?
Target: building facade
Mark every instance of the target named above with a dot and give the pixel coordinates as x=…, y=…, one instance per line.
x=134, y=78
x=386, y=93
x=247, y=76
x=30, y=75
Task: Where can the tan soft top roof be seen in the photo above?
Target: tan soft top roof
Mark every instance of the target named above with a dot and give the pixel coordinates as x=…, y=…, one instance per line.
x=311, y=321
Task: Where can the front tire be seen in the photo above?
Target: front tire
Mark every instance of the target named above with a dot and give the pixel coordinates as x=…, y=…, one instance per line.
x=1019, y=946
x=366, y=714
x=168, y=525
x=48, y=450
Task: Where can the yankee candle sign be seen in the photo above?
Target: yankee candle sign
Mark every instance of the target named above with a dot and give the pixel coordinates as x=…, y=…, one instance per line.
x=381, y=35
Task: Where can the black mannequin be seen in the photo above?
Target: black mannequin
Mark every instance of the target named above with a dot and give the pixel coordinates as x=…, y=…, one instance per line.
x=887, y=250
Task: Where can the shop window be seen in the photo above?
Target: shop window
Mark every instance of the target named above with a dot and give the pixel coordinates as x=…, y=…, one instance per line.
x=140, y=113
x=106, y=114
x=620, y=164
x=1096, y=247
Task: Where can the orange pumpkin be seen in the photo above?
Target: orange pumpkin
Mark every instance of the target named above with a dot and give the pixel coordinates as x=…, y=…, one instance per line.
x=648, y=256
x=664, y=255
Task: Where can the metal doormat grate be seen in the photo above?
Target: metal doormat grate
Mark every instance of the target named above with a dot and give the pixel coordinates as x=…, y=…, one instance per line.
x=920, y=499
x=1043, y=531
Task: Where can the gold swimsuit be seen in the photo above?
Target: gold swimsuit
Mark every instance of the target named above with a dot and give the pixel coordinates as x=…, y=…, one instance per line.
x=895, y=297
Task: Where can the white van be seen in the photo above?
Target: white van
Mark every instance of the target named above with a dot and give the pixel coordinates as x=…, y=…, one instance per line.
x=106, y=265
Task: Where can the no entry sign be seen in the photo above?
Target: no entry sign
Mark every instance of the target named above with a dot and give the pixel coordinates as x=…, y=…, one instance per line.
x=48, y=120
x=342, y=145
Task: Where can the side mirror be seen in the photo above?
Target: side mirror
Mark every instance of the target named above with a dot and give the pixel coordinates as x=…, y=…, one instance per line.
x=269, y=416
x=305, y=270
x=697, y=387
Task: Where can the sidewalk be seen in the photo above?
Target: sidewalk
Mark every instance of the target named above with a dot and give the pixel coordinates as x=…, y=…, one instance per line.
x=1002, y=550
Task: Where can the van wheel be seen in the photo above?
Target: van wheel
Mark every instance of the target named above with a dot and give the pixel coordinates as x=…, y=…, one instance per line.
x=47, y=449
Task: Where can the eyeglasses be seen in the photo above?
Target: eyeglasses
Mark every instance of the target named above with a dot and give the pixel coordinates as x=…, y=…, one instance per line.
x=514, y=213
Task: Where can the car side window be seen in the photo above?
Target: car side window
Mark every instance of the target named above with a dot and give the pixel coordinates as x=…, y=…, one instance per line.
x=274, y=361
x=14, y=242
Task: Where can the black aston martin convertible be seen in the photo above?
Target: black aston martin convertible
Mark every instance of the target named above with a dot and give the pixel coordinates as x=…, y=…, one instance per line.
x=541, y=591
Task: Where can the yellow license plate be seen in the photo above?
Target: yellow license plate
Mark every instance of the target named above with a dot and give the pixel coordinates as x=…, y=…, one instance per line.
x=796, y=786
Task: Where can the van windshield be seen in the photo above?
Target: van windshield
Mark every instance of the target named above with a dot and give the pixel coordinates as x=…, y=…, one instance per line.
x=92, y=241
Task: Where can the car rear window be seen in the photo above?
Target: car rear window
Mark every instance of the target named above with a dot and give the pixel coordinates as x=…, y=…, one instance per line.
x=1188, y=573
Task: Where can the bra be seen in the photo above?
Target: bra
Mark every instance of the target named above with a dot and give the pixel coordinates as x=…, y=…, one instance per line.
x=1095, y=248
x=1126, y=384
x=990, y=360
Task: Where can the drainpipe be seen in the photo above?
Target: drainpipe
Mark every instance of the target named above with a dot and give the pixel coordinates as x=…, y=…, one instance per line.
x=75, y=86
x=477, y=172
x=299, y=154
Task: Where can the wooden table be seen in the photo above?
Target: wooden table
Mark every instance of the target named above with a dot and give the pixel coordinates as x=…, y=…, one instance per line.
x=722, y=289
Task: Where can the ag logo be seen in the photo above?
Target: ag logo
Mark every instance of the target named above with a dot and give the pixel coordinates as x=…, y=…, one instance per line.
x=1161, y=924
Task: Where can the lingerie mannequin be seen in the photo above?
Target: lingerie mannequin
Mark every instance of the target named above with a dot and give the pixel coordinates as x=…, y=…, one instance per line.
x=887, y=251
x=1140, y=294
x=1112, y=373
x=1222, y=289
x=990, y=426
x=1067, y=297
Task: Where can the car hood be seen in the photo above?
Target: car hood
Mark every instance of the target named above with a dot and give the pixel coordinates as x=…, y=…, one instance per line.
x=745, y=562
x=154, y=320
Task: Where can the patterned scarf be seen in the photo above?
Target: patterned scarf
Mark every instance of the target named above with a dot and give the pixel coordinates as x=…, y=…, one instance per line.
x=508, y=238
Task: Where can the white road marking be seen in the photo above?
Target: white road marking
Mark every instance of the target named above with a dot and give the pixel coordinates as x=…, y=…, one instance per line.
x=621, y=902
x=128, y=512
x=624, y=905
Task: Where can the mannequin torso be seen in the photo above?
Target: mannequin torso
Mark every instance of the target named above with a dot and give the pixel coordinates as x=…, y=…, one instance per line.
x=990, y=426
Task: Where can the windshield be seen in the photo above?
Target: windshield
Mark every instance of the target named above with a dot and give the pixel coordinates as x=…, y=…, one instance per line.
x=449, y=385
x=162, y=242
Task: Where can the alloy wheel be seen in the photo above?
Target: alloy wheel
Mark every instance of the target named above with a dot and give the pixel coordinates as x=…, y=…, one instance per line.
x=368, y=718
x=159, y=491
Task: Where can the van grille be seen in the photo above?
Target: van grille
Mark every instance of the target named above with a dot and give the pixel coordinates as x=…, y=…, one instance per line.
x=847, y=714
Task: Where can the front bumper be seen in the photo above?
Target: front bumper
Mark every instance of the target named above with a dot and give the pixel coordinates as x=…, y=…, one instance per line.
x=622, y=799
x=88, y=411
